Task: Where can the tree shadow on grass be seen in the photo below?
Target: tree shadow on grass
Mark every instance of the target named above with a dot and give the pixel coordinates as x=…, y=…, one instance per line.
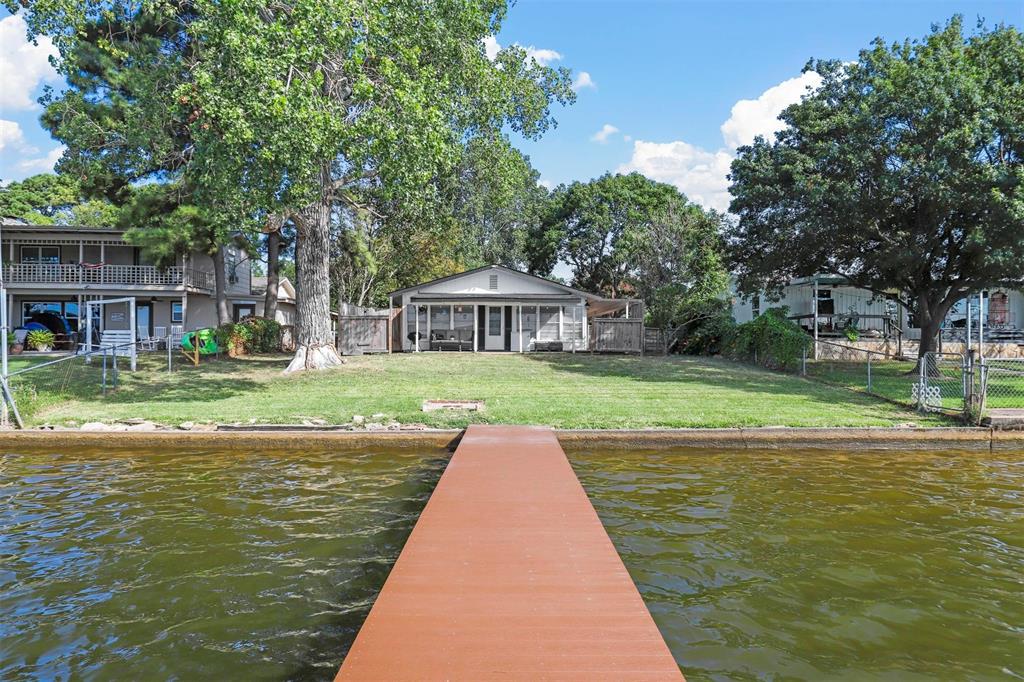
x=701, y=371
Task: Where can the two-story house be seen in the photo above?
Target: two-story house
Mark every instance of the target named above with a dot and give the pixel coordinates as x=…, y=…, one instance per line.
x=57, y=269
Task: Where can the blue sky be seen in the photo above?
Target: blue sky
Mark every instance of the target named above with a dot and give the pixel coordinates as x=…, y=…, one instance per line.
x=666, y=76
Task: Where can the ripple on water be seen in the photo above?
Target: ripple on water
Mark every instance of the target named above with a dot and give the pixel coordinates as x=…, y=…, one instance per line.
x=197, y=565
x=761, y=565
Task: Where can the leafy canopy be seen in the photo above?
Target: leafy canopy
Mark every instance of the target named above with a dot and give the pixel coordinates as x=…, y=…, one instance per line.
x=902, y=171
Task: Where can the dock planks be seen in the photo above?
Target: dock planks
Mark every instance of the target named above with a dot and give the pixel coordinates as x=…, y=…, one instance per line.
x=509, y=575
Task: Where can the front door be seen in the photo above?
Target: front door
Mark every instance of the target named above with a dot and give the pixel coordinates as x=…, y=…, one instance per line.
x=143, y=320
x=494, y=338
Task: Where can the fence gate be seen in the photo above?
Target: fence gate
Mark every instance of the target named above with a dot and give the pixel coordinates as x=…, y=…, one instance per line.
x=945, y=383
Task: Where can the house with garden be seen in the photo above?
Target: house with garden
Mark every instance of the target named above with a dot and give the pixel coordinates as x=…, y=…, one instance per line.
x=51, y=272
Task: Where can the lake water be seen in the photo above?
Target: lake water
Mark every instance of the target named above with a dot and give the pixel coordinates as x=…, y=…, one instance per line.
x=755, y=565
x=814, y=566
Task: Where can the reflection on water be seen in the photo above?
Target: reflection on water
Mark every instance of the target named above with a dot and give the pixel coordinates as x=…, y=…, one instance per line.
x=821, y=566
x=197, y=566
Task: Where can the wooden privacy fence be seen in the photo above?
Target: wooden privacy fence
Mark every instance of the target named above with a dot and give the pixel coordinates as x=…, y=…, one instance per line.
x=617, y=335
x=364, y=330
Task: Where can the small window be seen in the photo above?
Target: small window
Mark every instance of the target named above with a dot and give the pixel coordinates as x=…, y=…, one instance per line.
x=244, y=310
x=494, y=321
x=755, y=305
x=493, y=285
x=177, y=313
x=40, y=254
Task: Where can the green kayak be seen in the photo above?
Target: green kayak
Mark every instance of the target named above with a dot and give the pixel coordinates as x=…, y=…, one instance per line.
x=207, y=342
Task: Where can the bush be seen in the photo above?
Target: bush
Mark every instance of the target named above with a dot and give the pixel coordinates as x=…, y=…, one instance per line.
x=705, y=328
x=771, y=340
x=251, y=335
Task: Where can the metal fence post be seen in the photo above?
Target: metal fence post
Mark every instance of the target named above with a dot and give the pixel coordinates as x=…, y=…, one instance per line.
x=104, y=371
x=168, y=352
x=869, y=372
x=922, y=385
x=803, y=362
x=113, y=355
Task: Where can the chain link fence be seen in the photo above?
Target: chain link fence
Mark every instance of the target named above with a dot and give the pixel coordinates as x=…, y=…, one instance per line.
x=35, y=382
x=1001, y=383
x=945, y=383
x=861, y=369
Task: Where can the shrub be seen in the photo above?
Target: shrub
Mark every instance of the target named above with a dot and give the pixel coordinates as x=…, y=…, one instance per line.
x=39, y=339
x=771, y=340
x=705, y=328
x=251, y=335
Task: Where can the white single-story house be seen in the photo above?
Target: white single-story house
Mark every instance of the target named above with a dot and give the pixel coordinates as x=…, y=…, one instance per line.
x=494, y=308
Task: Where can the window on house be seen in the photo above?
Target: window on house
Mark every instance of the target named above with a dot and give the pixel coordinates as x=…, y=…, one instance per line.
x=244, y=310
x=494, y=321
x=40, y=254
x=177, y=312
x=755, y=305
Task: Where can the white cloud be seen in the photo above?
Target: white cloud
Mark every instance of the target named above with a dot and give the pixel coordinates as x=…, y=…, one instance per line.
x=43, y=164
x=491, y=47
x=583, y=80
x=701, y=174
x=12, y=138
x=602, y=135
x=753, y=117
x=543, y=56
x=698, y=173
x=23, y=66
x=546, y=184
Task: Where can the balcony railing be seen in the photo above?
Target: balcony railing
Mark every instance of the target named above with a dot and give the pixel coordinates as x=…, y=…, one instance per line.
x=107, y=275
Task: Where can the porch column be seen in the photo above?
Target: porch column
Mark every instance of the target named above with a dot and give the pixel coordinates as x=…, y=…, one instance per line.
x=575, y=312
x=88, y=327
x=81, y=257
x=586, y=326
x=416, y=329
x=561, y=334
x=814, y=308
x=184, y=312
x=476, y=314
x=131, y=326
x=520, y=327
x=429, y=310
x=103, y=261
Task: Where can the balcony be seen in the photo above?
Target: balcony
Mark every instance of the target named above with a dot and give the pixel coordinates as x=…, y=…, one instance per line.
x=107, y=276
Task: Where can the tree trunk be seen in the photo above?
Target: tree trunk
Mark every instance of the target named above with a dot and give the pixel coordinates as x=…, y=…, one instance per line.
x=273, y=274
x=930, y=316
x=314, y=338
x=220, y=286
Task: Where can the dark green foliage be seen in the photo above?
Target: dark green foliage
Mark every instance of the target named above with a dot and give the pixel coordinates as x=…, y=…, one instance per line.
x=770, y=340
x=251, y=335
x=50, y=199
x=705, y=327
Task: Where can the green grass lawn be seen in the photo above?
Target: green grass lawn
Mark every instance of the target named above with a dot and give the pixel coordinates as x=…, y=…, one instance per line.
x=560, y=390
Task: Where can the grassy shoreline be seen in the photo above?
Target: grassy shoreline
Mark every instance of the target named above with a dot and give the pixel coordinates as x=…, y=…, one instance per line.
x=559, y=390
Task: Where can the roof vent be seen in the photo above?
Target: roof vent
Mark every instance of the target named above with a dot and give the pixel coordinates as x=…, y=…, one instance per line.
x=494, y=283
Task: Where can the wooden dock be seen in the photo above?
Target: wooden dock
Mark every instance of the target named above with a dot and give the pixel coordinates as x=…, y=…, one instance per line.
x=509, y=575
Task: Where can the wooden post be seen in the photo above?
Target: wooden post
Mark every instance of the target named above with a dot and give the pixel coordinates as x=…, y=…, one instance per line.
x=520, y=327
x=574, y=310
x=476, y=315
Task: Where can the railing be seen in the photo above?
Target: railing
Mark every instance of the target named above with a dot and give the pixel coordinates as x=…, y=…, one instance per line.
x=112, y=275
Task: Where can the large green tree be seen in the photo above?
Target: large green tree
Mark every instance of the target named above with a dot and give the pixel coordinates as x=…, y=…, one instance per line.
x=903, y=171
x=309, y=105
x=122, y=123
x=627, y=235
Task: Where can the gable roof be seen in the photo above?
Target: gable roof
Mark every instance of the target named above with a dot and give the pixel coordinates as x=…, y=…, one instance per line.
x=497, y=268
